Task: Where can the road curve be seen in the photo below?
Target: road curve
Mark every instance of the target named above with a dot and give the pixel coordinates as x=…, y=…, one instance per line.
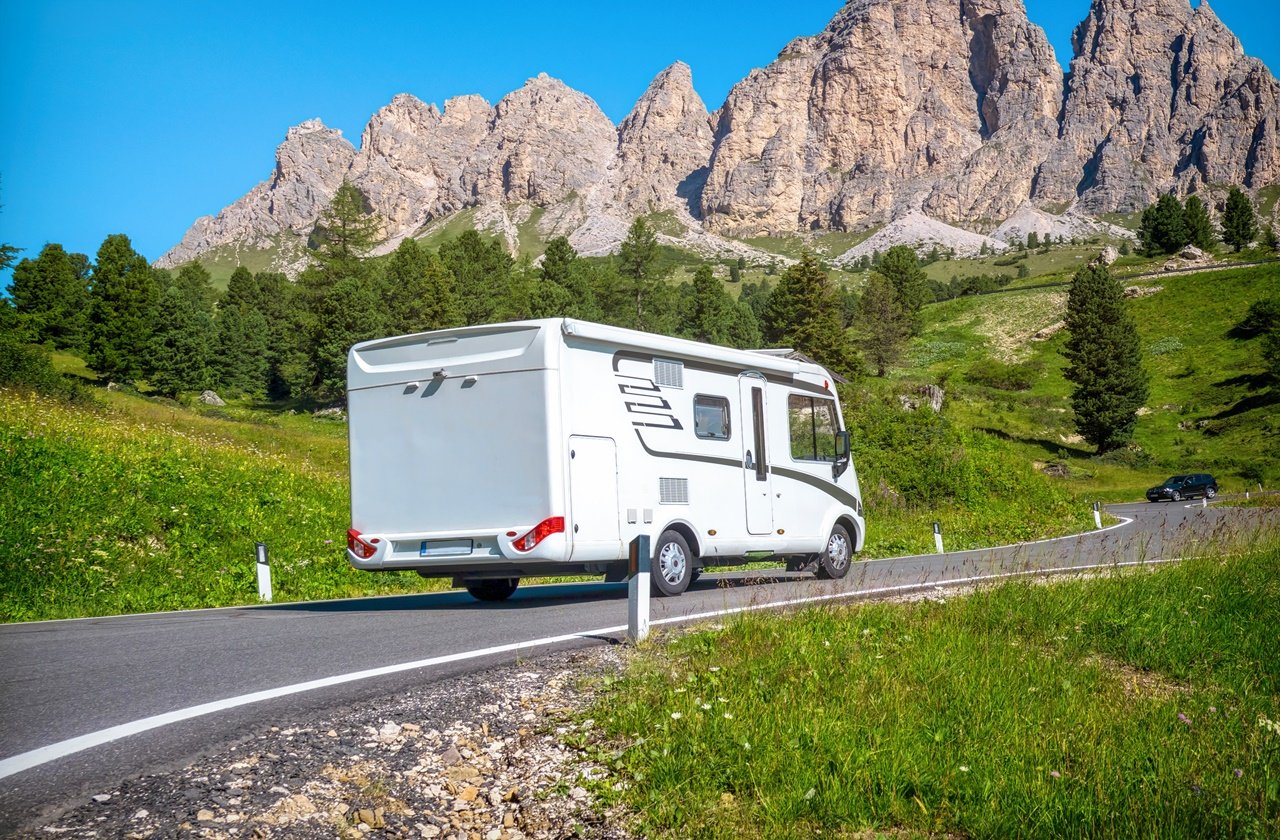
x=230, y=672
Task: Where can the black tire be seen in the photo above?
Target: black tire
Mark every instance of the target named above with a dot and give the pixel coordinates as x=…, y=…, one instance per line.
x=1211, y=491
x=671, y=570
x=837, y=557
x=1176, y=497
x=498, y=589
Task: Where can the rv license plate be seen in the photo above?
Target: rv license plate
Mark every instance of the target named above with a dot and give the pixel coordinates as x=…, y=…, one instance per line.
x=444, y=548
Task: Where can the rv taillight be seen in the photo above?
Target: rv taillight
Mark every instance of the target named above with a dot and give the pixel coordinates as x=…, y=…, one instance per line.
x=545, y=528
x=358, y=547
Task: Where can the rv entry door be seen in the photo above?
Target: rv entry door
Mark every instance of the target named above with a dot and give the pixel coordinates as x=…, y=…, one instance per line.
x=755, y=460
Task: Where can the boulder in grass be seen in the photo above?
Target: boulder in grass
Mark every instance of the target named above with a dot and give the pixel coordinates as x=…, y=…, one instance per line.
x=211, y=398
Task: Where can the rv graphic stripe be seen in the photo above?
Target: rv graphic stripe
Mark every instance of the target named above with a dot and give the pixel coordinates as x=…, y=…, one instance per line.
x=696, y=364
x=681, y=456
x=837, y=493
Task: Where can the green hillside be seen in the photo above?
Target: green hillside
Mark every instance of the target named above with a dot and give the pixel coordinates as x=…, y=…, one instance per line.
x=1211, y=407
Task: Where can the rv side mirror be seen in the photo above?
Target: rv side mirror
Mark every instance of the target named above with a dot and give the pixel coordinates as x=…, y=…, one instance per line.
x=842, y=455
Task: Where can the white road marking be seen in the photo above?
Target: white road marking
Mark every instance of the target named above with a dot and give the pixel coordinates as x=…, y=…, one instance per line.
x=71, y=746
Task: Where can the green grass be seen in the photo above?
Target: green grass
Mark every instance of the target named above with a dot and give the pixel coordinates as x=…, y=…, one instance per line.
x=1210, y=406
x=530, y=239
x=141, y=505
x=1133, y=705
x=451, y=227
x=222, y=261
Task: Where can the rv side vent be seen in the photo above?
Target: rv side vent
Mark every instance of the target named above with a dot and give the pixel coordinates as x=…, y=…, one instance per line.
x=668, y=374
x=673, y=491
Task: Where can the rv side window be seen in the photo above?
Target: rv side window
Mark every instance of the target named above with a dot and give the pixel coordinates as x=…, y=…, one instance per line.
x=814, y=425
x=711, y=417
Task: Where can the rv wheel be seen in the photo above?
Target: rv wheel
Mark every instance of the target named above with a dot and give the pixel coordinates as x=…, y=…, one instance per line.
x=499, y=589
x=833, y=563
x=672, y=564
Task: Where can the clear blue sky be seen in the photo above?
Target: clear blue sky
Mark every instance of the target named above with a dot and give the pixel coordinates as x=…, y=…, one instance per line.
x=137, y=117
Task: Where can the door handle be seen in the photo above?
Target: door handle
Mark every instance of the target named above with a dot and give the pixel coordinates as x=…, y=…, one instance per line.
x=749, y=464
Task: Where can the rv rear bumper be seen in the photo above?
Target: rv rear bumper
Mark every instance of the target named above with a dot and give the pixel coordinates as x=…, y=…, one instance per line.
x=442, y=553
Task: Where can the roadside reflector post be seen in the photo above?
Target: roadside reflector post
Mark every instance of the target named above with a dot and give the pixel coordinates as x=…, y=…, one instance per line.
x=937, y=537
x=1204, y=500
x=638, y=589
x=264, y=574
x=1097, y=515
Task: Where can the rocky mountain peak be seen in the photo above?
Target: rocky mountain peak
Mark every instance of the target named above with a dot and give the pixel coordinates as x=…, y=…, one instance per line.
x=545, y=140
x=950, y=110
x=664, y=145
x=874, y=116
x=1160, y=97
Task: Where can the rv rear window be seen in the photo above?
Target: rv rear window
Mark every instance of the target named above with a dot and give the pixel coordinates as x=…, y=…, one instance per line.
x=711, y=417
x=814, y=425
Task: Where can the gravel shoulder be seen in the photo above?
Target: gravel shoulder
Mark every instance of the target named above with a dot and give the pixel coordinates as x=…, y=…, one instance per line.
x=479, y=757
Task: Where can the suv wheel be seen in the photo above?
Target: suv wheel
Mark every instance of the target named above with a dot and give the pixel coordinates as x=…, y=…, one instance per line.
x=1211, y=491
x=1177, y=497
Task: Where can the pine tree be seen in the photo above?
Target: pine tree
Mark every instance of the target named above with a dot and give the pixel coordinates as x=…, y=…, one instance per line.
x=481, y=270
x=52, y=291
x=910, y=283
x=1033, y=239
x=710, y=316
x=1199, y=227
x=654, y=300
x=566, y=283
x=345, y=232
x=882, y=323
x=419, y=292
x=121, y=311
x=182, y=345
x=804, y=312
x=1104, y=359
x=243, y=345
x=1163, y=229
x=1267, y=239
x=349, y=314
x=1239, y=225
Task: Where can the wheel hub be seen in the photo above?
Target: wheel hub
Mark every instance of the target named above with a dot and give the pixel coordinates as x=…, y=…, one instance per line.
x=672, y=563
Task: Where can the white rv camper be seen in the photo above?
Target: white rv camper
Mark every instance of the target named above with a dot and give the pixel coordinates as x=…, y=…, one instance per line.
x=493, y=453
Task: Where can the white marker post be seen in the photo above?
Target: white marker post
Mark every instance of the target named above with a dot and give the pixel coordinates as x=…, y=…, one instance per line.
x=937, y=537
x=638, y=589
x=1097, y=515
x=264, y=574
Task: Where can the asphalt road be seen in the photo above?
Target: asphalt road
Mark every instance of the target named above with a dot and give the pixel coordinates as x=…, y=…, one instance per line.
x=63, y=680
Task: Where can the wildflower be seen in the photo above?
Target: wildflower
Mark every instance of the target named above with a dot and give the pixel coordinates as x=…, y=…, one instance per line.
x=714, y=668
x=706, y=707
x=728, y=716
x=328, y=542
x=679, y=691
x=826, y=643
x=1237, y=772
x=1213, y=710
x=746, y=745
x=1184, y=719
x=676, y=715
x=1269, y=725
x=964, y=769
x=1055, y=774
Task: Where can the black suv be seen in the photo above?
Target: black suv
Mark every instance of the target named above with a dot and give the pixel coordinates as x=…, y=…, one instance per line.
x=1179, y=487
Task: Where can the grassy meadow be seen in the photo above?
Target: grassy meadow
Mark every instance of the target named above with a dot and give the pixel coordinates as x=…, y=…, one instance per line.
x=1140, y=703
x=1210, y=407
x=137, y=505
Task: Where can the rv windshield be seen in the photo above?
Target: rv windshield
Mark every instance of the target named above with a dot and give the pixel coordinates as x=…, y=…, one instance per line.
x=814, y=424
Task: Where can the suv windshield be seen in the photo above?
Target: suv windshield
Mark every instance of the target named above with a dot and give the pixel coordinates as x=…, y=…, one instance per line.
x=1177, y=479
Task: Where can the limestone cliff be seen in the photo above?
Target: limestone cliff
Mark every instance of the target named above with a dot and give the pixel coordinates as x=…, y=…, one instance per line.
x=955, y=110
